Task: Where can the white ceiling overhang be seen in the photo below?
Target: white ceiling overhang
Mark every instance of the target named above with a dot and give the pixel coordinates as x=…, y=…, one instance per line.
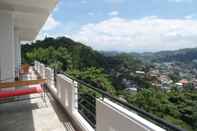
x=29, y=15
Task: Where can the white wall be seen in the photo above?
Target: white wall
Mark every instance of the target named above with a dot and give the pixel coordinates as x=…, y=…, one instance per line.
x=67, y=96
x=112, y=117
x=67, y=92
x=17, y=52
x=42, y=70
x=49, y=75
x=7, y=47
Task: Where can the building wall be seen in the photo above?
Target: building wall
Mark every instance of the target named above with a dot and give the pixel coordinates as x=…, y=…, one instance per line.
x=7, y=47
x=17, y=52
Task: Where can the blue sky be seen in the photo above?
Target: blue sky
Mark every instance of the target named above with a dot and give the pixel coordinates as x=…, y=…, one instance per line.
x=126, y=25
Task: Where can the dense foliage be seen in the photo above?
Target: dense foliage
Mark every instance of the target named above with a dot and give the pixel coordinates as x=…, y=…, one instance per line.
x=82, y=62
x=178, y=107
x=95, y=77
x=63, y=51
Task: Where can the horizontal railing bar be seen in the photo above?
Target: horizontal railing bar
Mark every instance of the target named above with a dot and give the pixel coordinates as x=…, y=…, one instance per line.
x=89, y=121
x=50, y=79
x=90, y=104
x=81, y=95
x=91, y=113
x=138, y=110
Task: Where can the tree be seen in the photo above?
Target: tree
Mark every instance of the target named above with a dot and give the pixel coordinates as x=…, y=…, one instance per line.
x=95, y=77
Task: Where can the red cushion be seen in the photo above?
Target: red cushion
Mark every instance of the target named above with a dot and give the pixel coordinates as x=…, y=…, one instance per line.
x=20, y=92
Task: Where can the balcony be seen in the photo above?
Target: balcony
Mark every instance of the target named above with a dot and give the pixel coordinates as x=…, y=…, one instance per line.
x=32, y=113
x=72, y=105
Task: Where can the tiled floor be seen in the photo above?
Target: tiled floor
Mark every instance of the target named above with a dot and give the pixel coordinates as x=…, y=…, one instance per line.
x=34, y=114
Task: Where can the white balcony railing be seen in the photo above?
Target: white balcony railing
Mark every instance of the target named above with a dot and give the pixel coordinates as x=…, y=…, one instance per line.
x=109, y=115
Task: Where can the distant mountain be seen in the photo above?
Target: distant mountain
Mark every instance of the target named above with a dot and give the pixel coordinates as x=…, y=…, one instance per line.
x=109, y=53
x=182, y=55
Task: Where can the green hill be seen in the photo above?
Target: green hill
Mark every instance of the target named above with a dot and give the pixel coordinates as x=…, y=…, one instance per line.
x=63, y=52
x=183, y=55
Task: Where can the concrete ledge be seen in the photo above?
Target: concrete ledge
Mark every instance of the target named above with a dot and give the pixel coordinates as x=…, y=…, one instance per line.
x=113, y=117
x=81, y=122
x=65, y=94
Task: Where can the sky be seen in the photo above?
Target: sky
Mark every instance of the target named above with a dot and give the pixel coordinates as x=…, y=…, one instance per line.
x=125, y=25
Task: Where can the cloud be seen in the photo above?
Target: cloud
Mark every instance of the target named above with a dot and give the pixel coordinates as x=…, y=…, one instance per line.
x=41, y=36
x=113, y=13
x=58, y=6
x=191, y=16
x=50, y=24
x=145, y=34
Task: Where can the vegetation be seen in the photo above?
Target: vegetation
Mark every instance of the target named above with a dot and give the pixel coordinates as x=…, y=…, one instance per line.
x=64, y=53
x=82, y=62
x=95, y=77
x=183, y=55
x=178, y=107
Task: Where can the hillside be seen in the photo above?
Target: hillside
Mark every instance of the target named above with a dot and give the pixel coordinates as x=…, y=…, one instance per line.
x=66, y=54
x=182, y=55
x=79, y=55
x=76, y=58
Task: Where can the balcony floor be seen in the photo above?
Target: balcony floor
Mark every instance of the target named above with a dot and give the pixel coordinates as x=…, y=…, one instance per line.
x=34, y=115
